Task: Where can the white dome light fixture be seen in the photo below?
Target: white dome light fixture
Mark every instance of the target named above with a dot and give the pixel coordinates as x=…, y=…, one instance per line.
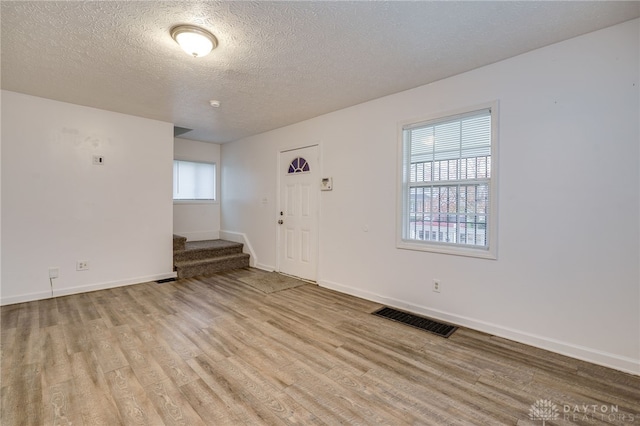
x=194, y=40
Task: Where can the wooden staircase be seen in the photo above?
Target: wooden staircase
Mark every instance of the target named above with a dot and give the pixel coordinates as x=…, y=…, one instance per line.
x=193, y=258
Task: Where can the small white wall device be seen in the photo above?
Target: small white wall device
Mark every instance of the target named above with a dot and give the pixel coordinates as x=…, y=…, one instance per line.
x=326, y=184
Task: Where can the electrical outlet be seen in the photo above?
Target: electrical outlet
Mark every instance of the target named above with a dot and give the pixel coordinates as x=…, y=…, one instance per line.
x=54, y=272
x=436, y=285
x=82, y=265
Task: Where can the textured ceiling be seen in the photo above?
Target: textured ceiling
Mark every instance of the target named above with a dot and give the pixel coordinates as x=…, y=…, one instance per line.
x=277, y=62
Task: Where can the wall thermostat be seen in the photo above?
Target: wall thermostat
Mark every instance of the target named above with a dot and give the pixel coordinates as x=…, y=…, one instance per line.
x=326, y=184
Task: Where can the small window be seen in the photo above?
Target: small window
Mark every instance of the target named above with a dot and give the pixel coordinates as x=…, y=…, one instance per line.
x=194, y=181
x=298, y=165
x=448, y=176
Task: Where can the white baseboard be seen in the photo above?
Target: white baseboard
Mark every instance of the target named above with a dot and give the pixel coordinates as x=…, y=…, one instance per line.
x=267, y=268
x=30, y=297
x=239, y=237
x=199, y=235
x=625, y=364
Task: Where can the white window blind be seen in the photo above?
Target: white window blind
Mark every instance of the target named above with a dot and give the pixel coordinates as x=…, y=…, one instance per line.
x=447, y=172
x=193, y=180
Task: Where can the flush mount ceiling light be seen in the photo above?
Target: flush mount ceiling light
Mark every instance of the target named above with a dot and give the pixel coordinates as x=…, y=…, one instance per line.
x=194, y=40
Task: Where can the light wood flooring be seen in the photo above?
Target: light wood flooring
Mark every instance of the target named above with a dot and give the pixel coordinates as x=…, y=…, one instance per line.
x=215, y=351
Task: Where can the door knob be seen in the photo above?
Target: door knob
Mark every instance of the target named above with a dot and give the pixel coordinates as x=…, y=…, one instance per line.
x=280, y=222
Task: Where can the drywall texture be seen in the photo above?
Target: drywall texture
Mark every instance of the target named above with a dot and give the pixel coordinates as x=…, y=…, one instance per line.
x=568, y=235
x=197, y=220
x=59, y=208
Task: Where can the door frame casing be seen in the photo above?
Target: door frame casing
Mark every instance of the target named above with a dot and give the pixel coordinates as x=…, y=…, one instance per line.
x=317, y=209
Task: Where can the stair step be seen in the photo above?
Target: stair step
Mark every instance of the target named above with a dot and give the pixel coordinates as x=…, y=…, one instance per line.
x=195, y=250
x=208, y=266
x=179, y=242
x=208, y=257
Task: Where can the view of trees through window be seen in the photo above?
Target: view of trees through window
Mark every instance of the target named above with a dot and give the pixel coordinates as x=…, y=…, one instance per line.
x=449, y=213
x=449, y=172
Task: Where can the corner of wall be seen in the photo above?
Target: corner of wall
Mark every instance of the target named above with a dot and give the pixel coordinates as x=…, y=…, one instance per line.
x=239, y=237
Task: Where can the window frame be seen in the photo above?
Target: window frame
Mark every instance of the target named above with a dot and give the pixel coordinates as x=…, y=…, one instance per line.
x=402, y=201
x=199, y=200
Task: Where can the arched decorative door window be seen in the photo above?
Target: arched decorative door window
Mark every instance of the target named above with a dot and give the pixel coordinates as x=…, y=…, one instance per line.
x=298, y=165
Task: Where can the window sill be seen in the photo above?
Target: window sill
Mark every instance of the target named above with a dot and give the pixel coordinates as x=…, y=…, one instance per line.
x=182, y=202
x=448, y=249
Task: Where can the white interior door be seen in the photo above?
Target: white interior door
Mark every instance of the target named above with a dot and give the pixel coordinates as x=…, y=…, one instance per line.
x=298, y=213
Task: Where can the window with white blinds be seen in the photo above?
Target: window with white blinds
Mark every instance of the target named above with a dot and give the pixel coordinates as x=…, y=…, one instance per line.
x=447, y=184
x=194, y=181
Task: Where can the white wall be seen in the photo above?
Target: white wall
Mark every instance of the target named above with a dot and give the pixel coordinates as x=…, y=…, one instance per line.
x=57, y=207
x=569, y=159
x=197, y=221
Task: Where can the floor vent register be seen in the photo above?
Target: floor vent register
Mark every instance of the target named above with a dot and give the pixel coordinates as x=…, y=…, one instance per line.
x=426, y=324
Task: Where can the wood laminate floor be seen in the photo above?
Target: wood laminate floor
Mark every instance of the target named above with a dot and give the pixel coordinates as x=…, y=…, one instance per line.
x=215, y=351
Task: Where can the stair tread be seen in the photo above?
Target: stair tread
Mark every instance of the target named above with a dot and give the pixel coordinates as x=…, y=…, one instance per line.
x=192, y=262
x=210, y=244
x=199, y=250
